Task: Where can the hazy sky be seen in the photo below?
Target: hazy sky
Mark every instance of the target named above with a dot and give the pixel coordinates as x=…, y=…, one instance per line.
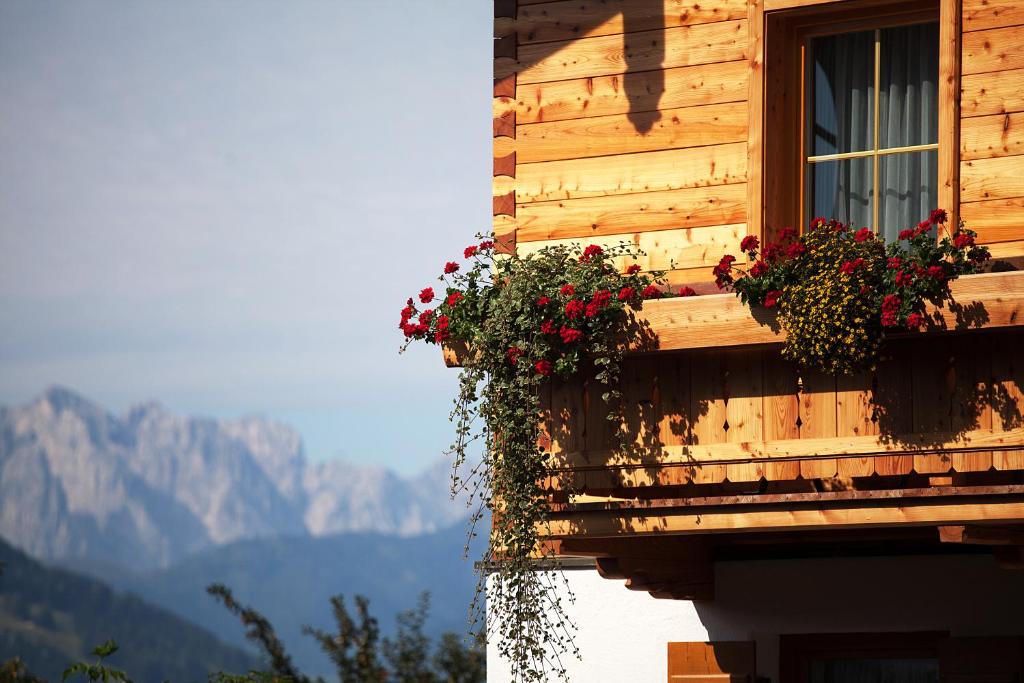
x=222, y=205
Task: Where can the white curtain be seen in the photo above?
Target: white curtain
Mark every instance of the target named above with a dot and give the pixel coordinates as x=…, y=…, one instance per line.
x=874, y=671
x=908, y=115
x=843, y=121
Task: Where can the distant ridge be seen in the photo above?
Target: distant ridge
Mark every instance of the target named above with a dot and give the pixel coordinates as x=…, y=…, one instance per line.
x=144, y=490
x=51, y=617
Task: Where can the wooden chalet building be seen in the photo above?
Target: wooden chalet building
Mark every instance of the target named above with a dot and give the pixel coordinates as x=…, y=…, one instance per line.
x=771, y=524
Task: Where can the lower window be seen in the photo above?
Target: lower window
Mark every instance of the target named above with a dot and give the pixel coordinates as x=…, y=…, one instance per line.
x=860, y=658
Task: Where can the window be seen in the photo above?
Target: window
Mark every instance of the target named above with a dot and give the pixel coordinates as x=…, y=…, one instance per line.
x=871, y=135
x=860, y=658
x=857, y=121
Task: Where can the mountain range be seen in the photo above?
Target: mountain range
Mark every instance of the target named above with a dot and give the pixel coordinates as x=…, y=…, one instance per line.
x=138, y=492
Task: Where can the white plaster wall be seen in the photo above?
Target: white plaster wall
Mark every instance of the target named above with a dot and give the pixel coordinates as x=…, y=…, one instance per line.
x=623, y=634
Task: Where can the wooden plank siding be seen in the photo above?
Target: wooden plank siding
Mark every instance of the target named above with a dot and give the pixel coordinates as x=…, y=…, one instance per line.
x=992, y=121
x=622, y=117
x=627, y=119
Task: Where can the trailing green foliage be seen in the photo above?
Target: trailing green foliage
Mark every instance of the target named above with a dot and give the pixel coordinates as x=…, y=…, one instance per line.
x=353, y=649
x=99, y=670
x=522, y=319
x=838, y=292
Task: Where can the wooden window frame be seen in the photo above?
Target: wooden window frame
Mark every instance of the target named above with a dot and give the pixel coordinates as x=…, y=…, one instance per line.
x=796, y=651
x=777, y=93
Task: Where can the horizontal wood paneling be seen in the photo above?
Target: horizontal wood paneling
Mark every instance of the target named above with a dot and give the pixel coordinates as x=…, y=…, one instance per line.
x=571, y=19
x=626, y=133
x=629, y=173
x=1007, y=250
x=983, y=137
x=1000, y=220
x=999, y=92
x=593, y=216
x=650, y=90
x=684, y=248
x=994, y=49
x=605, y=55
x=985, y=14
x=999, y=178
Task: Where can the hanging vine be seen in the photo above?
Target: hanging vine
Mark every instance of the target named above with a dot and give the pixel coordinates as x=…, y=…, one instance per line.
x=521, y=320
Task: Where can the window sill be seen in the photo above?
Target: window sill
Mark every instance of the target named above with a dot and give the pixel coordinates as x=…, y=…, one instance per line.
x=984, y=301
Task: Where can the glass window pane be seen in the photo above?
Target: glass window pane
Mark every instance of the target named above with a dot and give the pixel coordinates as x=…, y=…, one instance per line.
x=874, y=671
x=909, y=185
x=908, y=86
x=842, y=117
x=842, y=189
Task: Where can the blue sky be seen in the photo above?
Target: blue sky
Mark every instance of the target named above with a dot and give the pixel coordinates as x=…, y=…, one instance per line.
x=222, y=205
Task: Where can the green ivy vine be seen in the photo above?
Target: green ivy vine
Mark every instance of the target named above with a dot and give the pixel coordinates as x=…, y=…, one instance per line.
x=520, y=320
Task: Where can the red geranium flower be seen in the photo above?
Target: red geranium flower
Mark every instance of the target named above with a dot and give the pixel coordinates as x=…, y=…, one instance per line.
x=904, y=279
x=543, y=301
x=863, y=235
x=513, y=353
x=759, y=268
x=937, y=272
x=938, y=216
x=906, y=234
x=427, y=295
x=633, y=269
x=787, y=234
x=687, y=291
x=469, y=251
x=590, y=252
x=543, y=367
x=890, y=310
x=487, y=244
x=450, y=267
x=592, y=309
x=651, y=292
x=574, y=309
x=441, y=329
x=771, y=252
x=454, y=298
x=963, y=240
x=749, y=243
x=895, y=262
x=772, y=298
x=915, y=321
x=795, y=249
x=850, y=267
x=570, y=335
x=626, y=293
x=547, y=327
x=602, y=298
x=568, y=290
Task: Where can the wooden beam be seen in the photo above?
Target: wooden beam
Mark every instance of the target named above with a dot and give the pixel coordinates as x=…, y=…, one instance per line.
x=949, y=112
x=846, y=515
x=982, y=535
x=790, y=449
